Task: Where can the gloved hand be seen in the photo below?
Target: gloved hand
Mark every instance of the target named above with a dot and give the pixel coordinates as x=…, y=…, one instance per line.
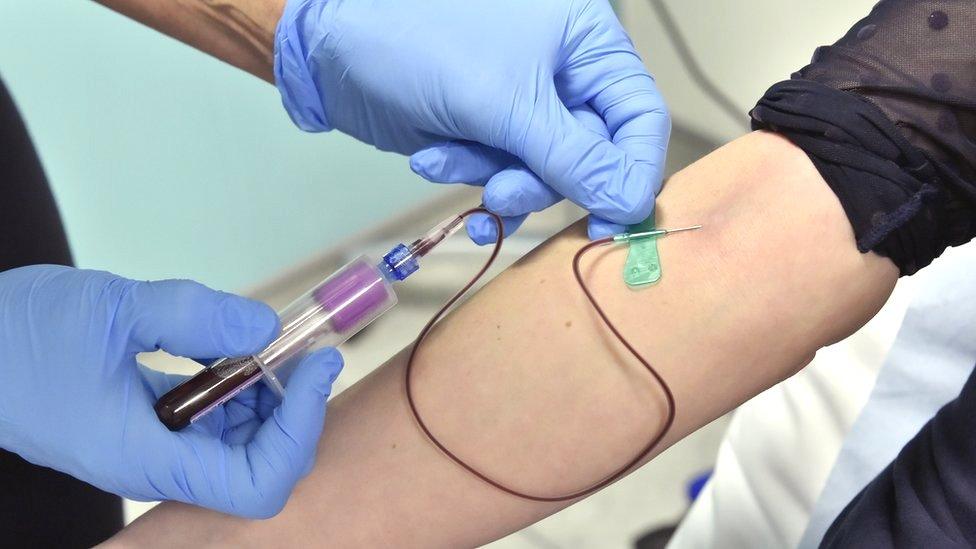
x=73, y=398
x=479, y=91
x=482, y=228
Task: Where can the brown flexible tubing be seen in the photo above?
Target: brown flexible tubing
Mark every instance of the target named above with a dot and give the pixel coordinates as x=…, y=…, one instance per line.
x=612, y=477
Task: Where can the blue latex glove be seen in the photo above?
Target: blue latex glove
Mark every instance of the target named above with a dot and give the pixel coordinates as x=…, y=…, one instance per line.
x=481, y=228
x=478, y=91
x=73, y=398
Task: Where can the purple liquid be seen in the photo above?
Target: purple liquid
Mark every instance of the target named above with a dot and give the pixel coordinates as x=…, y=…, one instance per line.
x=353, y=295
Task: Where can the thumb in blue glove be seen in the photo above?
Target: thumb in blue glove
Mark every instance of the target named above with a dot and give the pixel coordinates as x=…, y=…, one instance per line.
x=278, y=439
x=72, y=396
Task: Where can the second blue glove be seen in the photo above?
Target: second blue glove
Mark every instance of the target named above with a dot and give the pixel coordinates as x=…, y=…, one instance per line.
x=73, y=398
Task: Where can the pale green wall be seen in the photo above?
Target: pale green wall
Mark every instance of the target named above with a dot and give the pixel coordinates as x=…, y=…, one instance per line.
x=167, y=163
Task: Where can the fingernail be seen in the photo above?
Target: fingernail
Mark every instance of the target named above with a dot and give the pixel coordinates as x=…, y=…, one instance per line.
x=428, y=162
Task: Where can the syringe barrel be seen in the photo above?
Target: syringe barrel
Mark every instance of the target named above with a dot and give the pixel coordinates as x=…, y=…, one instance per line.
x=327, y=315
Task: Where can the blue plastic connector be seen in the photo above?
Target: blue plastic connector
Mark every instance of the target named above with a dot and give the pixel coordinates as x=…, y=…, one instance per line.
x=399, y=263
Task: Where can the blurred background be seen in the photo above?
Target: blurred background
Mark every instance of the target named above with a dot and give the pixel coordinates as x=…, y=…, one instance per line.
x=168, y=163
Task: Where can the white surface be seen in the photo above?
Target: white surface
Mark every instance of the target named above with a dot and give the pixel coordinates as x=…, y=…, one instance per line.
x=744, y=46
x=783, y=446
x=928, y=364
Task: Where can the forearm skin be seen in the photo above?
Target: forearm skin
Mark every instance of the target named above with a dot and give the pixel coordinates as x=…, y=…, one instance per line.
x=240, y=32
x=526, y=384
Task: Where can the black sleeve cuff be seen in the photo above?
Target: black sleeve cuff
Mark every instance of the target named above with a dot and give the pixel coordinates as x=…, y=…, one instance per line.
x=900, y=203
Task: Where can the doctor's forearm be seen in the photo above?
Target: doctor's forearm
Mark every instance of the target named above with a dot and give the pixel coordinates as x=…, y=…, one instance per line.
x=240, y=32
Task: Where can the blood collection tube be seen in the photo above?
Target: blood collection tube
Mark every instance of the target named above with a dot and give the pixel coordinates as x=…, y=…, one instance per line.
x=327, y=315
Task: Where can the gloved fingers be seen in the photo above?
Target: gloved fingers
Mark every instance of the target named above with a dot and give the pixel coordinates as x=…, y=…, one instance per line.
x=244, y=414
x=459, y=162
x=483, y=230
x=245, y=404
x=605, y=70
x=241, y=419
x=626, y=98
x=188, y=319
x=515, y=197
x=516, y=191
x=633, y=109
x=598, y=228
x=590, y=120
x=585, y=167
x=158, y=382
x=234, y=422
x=512, y=190
x=267, y=401
x=283, y=450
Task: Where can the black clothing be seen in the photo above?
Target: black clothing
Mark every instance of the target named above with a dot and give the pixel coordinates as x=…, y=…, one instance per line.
x=39, y=507
x=889, y=190
x=30, y=226
x=926, y=497
x=888, y=116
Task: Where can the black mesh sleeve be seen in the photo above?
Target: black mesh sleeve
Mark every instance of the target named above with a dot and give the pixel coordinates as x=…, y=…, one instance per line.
x=888, y=116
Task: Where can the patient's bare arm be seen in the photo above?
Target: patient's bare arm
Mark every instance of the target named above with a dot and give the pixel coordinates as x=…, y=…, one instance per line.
x=526, y=384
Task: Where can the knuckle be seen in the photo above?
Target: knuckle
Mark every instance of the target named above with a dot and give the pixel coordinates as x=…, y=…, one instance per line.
x=185, y=292
x=637, y=198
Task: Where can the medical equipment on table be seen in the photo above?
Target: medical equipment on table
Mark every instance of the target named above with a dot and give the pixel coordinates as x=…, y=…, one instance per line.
x=357, y=294
x=327, y=315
